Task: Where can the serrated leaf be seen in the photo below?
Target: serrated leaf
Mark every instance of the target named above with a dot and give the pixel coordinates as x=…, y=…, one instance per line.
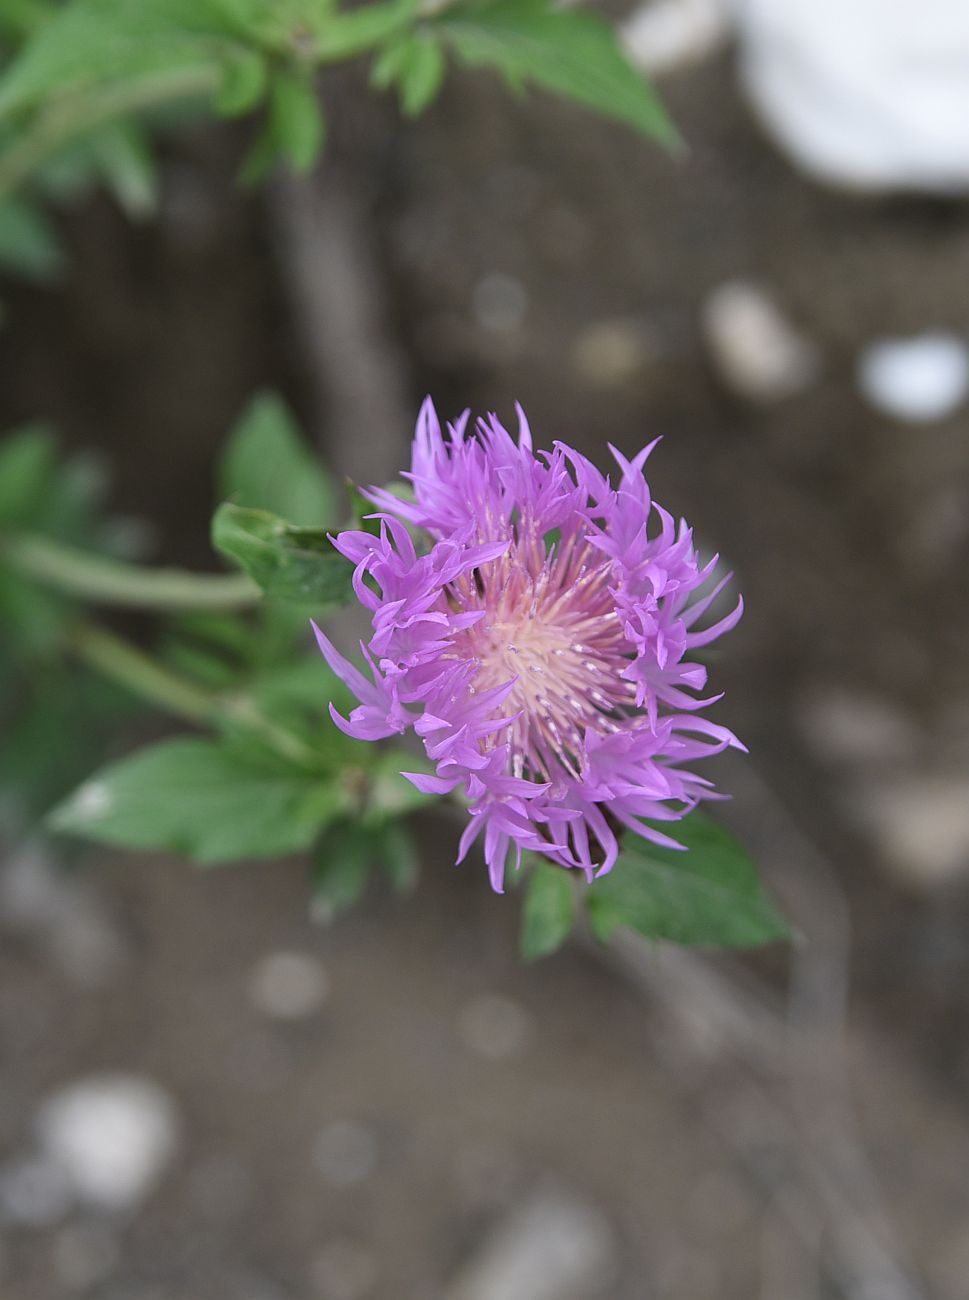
x=296, y=118
x=288, y=563
x=28, y=242
x=548, y=913
x=569, y=51
x=709, y=895
x=267, y=464
x=202, y=799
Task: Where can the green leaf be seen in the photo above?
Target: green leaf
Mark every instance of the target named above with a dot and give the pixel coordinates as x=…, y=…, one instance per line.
x=396, y=854
x=391, y=794
x=569, y=51
x=244, y=81
x=19, y=18
x=124, y=158
x=28, y=463
x=355, y=31
x=708, y=895
x=267, y=464
x=102, y=42
x=55, y=720
x=202, y=799
x=288, y=563
x=340, y=867
x=296, y=118
x=28, y=242
x=416, y=63
x=548, y=915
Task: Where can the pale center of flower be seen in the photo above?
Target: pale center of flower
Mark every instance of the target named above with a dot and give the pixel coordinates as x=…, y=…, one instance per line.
x=550, y=624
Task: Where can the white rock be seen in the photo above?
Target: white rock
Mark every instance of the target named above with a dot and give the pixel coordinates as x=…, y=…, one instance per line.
x=494, y=1027
x=111, y=1135
x=346, y=1153
x=552, y=1247
x=915, y=379
x=288, y=986
x=871, y=94
x=921, y=826
x=669, y=34
x=757, y=352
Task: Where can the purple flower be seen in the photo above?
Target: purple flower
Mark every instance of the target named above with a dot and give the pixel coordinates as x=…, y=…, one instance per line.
x=536, y=639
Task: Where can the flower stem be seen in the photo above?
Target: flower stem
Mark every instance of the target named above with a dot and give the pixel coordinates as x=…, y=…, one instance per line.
x=130, y=667
x=123, y=663
x=105, y=581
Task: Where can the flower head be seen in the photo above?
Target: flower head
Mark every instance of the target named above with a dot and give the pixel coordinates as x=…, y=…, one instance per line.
x=536, y=640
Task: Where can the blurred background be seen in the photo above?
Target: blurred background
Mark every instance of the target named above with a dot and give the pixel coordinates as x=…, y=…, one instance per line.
x=259, y=1106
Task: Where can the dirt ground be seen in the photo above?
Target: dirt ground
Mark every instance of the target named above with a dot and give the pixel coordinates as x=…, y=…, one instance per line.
x=687, y=1121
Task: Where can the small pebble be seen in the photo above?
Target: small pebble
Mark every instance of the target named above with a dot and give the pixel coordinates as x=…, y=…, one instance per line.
x=344, y=1269
x=551, y=1247
x=918, y=379
x=499, y=302
x=494, y=1027
x=855, y=727
x=288, y=986
x=921, y=826
x=757, y=353
x=345, y=1153
x=608, y=353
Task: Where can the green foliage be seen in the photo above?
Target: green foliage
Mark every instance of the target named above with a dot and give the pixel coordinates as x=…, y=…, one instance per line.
x=296, y=123
x=88, y=64
x=27, y=469
x=344, y=861
x=350, y=32
x=289, y=563
x=569, y=51
x=709, y=895
x=340, y=866
x=548, y=914
x=98, y=43
x=119, y=155
x=266, y=464
x=202, y=798
x=54, y=720
x=415, y=63
x=28, y=242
